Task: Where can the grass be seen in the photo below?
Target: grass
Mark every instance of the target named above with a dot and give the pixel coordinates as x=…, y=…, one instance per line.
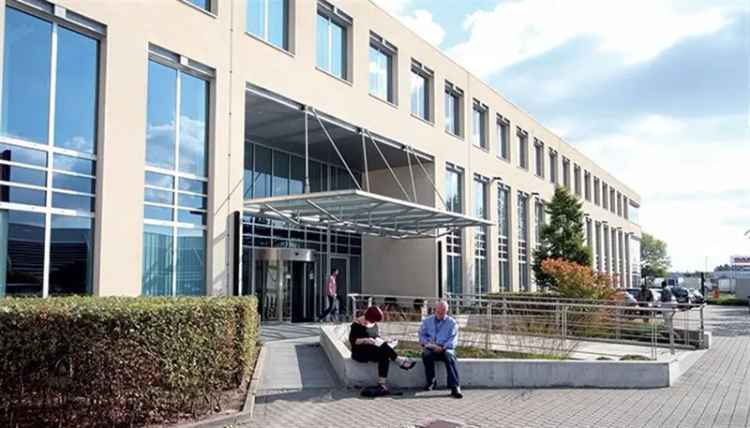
x=726, y=299
x=414, y=350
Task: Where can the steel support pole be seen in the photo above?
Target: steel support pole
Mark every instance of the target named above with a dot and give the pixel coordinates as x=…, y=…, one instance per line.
x=307, y=154
x=364, y=154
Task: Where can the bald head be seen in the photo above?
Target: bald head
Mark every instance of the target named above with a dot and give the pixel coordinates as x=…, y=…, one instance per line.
x=441, y=309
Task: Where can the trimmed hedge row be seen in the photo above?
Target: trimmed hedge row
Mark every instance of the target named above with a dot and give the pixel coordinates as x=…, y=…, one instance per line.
x=88, y=361
x=727, y=301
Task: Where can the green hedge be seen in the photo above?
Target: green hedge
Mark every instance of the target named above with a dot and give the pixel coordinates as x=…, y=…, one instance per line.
x=727, y=300
x=82, y=361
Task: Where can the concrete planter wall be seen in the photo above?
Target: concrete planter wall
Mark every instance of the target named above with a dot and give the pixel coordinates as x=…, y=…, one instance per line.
x=507, y=373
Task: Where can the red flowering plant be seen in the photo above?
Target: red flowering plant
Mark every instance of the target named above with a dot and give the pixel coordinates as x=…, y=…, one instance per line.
x=576, y=281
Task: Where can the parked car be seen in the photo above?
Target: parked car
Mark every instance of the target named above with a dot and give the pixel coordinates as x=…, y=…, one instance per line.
x=696, y=297
x=625, y=297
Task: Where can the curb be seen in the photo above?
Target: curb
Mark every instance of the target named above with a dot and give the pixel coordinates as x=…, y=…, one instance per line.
x=248, y=408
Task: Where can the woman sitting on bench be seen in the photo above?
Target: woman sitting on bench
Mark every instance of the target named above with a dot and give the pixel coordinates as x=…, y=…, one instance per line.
x=367, y=346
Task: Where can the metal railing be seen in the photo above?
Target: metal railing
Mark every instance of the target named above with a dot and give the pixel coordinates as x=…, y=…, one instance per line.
x=547, y=326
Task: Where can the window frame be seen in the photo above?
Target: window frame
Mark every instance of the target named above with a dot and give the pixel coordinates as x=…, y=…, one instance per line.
x=390, y=51
x=502, y=127
x=523, y=148
x=553, y=170
x=418, y=69
x=287, y=43
x=480, y=112
x=335, y=16
x=457, y=94
x=539, y=158
x=587, y=185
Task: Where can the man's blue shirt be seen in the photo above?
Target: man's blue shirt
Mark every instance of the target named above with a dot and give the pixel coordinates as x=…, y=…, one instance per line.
x=442, y=332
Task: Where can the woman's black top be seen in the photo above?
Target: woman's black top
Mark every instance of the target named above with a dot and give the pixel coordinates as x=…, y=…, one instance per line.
x=358, y=331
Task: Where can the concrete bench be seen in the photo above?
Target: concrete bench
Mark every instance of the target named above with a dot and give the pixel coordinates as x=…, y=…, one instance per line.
x=508, y=373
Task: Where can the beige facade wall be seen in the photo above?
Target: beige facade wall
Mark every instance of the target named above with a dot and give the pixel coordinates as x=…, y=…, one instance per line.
x=220, y=41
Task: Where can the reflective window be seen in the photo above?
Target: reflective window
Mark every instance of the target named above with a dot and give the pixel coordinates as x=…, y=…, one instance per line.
x=453, y=112
x=380, y=73
x=331, y=45
x=23, y=155
x=523, y=148
x=503, y=137
x=158, y=213
x=268, y=19
x=159, y=180
x=162, y=110
x=159, y=196
x=479, y=121
x=247, y=178
x=71, y=255
x=26, y=77
x=297, y=176
x=191, y=262
x=553, y=166
x=203, y=4
x=18, y=174
x=194, y=186
x=280, y=174
x=76, y=97
x=22, y=195
x=503, y=227
x=523, y=237
x=21, y=253
x=73, y=164
x=263, y=167
x=158, y=244
x=454, y=190
x=72, y=202
x=73, y=182
x=193, y=129
x=454, y=202
x=420, y=95
x=480, y=237
x=539, y=158
x=634, y=213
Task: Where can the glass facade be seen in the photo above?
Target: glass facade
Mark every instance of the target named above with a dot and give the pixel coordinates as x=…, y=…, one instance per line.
x=331, y=45
x=268, y=20
x=481, y=280
x=176, y=182
x=454, y=202
x=523, y=241
x=503, y=233
x=47, y=199
x=380, y=73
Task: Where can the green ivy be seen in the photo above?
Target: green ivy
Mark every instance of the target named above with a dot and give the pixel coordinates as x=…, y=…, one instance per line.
x=115, y=361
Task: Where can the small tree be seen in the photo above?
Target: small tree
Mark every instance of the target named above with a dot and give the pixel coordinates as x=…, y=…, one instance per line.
x=654, y=259
x=562, y=237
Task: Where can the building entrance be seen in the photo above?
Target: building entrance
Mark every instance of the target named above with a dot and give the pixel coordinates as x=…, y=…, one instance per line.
x=285, y=284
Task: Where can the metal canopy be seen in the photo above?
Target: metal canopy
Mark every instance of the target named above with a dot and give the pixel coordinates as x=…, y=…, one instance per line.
x=360, y=212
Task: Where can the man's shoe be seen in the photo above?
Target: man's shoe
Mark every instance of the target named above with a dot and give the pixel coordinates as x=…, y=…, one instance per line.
x=456, y=392
x=430, y=386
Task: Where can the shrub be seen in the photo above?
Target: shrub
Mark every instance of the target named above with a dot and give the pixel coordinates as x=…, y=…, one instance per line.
x=78, y=361
x=727, y=301
x=576, y=281
x=634, y=357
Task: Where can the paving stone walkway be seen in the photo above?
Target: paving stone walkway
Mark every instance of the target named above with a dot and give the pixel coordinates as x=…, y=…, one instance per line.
x=715, y=392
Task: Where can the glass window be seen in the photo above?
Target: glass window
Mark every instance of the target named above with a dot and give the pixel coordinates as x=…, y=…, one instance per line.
x=634, y=213
x=297, y=176
x=22, y=195
x=159, y=180
x=159, y=196
x=553, y=166
x=247, y=179
x=267, y=19
x=191, y=201
x=479, y=119
x=193, y=129
x=280, y=174
x=191, y=262
x=203, y=4
x=196, y=218
x=21, y=253
x=160, y=127
x=158, y=213
x=13, y=153
x=194, y=186
x=577, y=180
x=566, y=173
x=480, y=198
x=503, y=135
x=480, y=237
x=331, y=46
x=26, y=77
x=539, y=158
x=380, y=74
x=72, y=202
x=503, y=249
x=76, y=91
x=17, y=174
x=523, y=149
x=454, y=190
x=523, y=237
x=420, y=101
x=587, y=185
x=73, y=182
x=158, y=244
x=263, y=168
x=71, y=255
x=73, y=164
x=452, y=112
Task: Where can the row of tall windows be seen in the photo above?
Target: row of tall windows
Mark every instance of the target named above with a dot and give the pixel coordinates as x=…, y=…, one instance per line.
x=503, y=236
x=48, y=139
x=523, y=241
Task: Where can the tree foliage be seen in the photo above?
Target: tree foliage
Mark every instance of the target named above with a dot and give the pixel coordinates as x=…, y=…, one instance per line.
x=655, y=261
x=562, y=237
x=577, y=281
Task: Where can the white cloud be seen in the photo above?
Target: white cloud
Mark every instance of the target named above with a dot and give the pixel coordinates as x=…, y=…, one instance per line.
x=636, y=30
x=420, y=20
x=693, y=182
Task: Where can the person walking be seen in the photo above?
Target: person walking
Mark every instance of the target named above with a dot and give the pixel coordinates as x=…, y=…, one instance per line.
x=332, y=309
x=668, y=303
x=438, y=336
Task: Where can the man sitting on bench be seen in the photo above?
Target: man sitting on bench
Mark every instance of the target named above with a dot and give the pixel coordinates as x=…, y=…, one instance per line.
x=438, y=335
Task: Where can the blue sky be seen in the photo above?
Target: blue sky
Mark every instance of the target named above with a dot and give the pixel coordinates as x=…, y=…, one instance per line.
x=657, y=92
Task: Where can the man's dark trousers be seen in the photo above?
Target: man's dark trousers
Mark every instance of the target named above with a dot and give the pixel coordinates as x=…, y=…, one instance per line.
x=448, y=357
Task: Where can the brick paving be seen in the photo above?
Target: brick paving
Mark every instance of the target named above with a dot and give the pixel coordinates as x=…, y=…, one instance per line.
x=715, y=392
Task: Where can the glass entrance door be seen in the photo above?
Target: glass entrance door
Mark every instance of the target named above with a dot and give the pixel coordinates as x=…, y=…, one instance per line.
x=342, y=282
x=284, y=281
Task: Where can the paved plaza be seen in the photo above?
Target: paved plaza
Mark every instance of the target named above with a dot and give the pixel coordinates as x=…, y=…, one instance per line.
x=714, y=392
